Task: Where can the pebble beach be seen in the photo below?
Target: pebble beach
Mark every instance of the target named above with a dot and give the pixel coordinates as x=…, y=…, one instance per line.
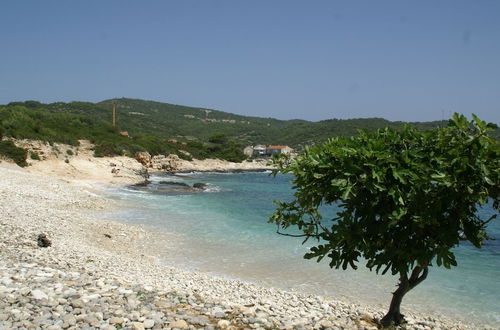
x=101, y=274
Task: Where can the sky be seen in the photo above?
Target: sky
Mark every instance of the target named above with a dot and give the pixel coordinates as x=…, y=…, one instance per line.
x=314, y=60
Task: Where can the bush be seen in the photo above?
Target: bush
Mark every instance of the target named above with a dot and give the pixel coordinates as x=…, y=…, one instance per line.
x=34, y=155
x=69, y=152
x=9, y=150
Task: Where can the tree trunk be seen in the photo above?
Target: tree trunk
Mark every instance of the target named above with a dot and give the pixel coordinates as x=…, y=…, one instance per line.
x=394, y=315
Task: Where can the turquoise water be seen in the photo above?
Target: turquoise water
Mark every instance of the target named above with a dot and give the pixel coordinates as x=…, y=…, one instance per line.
x=224, y=230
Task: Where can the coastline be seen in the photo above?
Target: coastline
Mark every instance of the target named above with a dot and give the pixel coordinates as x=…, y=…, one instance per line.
x=59, y=206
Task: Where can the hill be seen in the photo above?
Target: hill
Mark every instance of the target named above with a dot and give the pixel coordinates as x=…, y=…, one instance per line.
x=165, y=128
x=176, y=121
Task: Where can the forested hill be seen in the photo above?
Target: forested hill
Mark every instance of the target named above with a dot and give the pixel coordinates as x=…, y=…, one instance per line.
x=165, y=120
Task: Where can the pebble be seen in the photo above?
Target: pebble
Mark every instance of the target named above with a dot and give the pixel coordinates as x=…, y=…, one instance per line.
x=39, y=295
x=148, y=323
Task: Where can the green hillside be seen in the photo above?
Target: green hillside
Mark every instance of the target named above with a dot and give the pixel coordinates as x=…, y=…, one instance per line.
x=175, y=121
x=151, y=124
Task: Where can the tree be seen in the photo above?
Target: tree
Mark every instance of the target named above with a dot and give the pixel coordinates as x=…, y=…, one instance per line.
x=218, y=138
x=407, y=197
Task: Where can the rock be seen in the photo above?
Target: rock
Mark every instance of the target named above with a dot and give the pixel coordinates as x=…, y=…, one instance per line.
x=138, y=326
x=200, y=320
x=148, y=323
x=170, y=163
x=90, y=297
x=143, y=172
x=144, y=158
x=77, y=303
x=39, y=295
x=54, y=327
x=181, y=324
x=217, y=312
x=115, y=320
x=69, y=319
x=326, y=324
x=223, y=324
x=175, y=183
x=199, y=185
x=43, y=241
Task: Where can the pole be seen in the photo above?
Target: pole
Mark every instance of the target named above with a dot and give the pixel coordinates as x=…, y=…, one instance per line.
x=114, y=113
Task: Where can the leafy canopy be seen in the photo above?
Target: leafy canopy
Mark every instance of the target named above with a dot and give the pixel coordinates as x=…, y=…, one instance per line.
x=407, y=197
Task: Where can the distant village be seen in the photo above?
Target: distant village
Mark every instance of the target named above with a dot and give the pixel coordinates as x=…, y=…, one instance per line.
x=261, y=150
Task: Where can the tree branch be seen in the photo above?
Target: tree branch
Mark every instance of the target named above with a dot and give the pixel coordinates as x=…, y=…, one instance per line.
x=415, y=279
x=290, y=235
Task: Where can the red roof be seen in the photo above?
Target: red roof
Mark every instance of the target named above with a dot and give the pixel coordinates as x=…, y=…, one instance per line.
x=276, y=147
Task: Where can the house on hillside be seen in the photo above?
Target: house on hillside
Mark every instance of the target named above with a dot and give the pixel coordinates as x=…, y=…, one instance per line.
x=276, y=150
x=260, y=149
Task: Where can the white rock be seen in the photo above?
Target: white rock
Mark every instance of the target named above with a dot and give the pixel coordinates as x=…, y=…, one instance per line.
x=149, y=323
x=39, y=295
x=223, y=324
x=181, y=324
x=90, y=297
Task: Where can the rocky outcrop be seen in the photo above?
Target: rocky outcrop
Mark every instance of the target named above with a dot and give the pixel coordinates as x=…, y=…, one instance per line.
x=144, y=158
x=170, y=163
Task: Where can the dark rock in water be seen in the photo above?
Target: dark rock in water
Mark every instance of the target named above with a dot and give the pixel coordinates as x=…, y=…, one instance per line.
x=174, y=183
x=143, y=172
x=200, y=185
x=145, y=183
x=43, y=241
x=164, y=187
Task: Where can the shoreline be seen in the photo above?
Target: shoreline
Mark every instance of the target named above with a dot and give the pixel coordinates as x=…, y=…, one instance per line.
x=33, y=203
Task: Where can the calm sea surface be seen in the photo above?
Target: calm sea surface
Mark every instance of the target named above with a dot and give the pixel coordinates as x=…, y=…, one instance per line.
x=224, y=231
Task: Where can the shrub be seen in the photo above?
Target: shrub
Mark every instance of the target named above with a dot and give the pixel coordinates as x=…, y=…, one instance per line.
x=9, y=150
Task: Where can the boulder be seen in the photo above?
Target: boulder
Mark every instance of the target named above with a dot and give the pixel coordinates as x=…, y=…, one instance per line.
x=201, y=186
x=43, y=241
x=144, y=158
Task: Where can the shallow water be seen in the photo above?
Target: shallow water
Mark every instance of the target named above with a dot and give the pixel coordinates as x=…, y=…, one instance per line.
x=224, y=230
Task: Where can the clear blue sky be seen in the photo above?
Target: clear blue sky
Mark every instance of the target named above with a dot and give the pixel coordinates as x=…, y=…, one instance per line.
x=401, y=60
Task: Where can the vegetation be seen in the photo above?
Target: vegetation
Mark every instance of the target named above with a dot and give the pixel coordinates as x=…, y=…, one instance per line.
x=187, y=124
x=10, y=151
x=162, y=128
x=407, y=198
x=34, y=156
x=32, y=120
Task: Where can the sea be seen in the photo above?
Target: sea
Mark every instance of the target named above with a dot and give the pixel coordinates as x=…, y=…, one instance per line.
x=224, y=230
